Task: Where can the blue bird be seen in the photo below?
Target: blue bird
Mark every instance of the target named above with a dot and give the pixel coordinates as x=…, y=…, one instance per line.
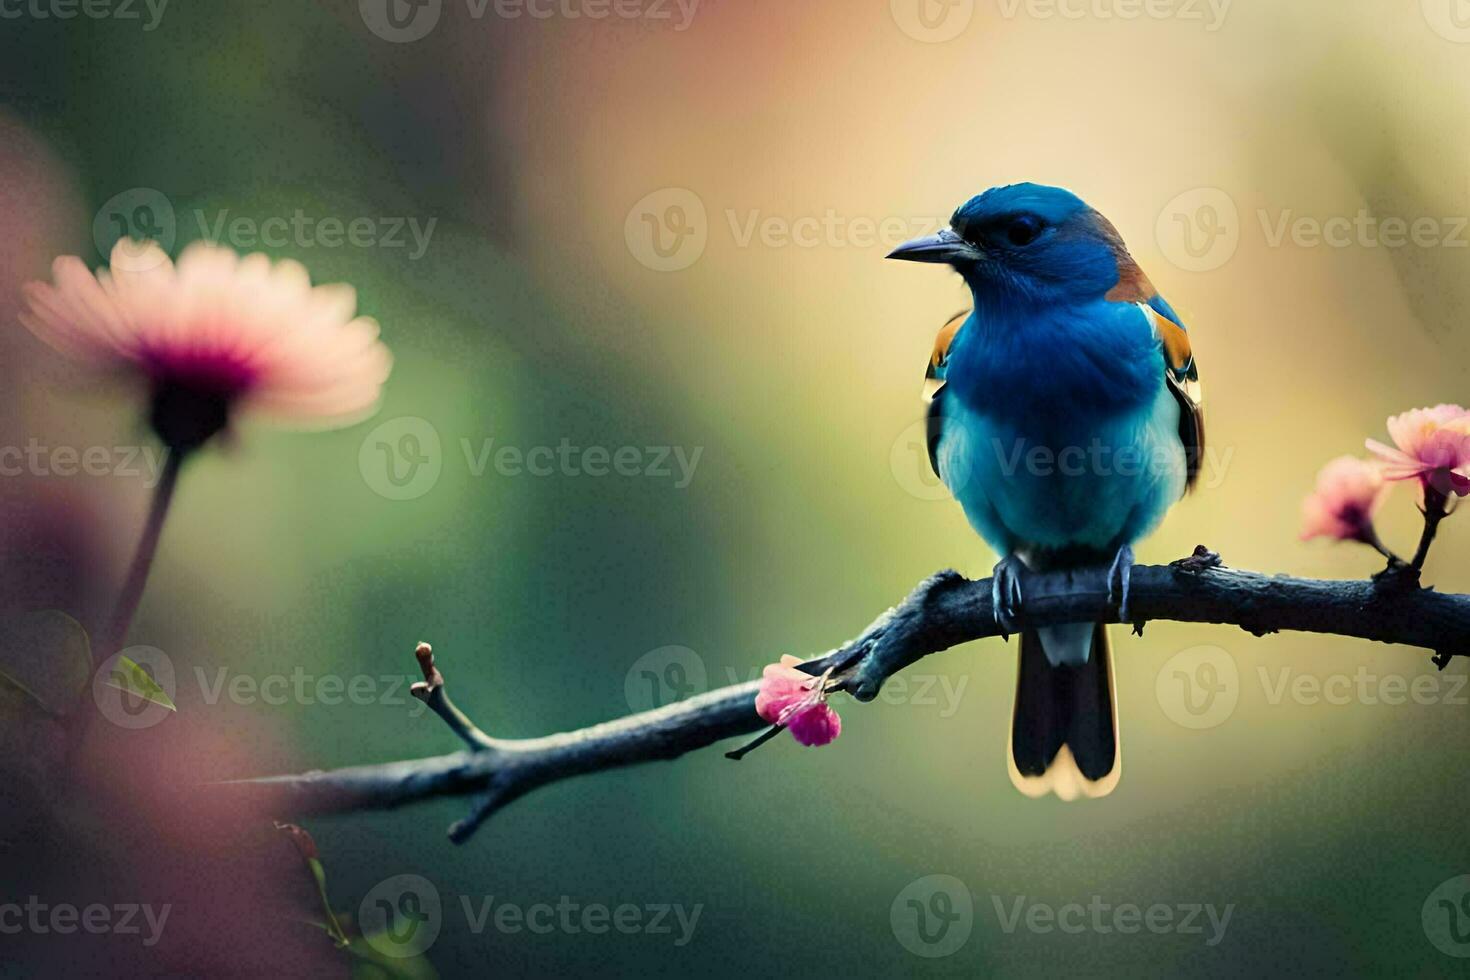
x=1064, y=416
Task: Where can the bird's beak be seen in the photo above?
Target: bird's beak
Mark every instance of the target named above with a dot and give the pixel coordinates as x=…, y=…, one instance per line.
x=945, y=246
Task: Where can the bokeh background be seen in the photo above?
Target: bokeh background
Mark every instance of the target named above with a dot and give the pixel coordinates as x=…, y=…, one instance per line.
x=665, y=228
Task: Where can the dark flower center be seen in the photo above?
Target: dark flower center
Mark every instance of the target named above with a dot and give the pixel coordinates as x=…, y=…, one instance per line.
x=187, y=416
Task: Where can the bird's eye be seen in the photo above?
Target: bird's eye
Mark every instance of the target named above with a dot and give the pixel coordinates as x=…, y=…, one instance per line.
x=1022, y=230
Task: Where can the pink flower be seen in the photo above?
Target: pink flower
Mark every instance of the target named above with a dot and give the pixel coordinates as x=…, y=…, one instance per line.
x=1349, y=492
x=213, y=334
x=1432, y=446
x=797, y=700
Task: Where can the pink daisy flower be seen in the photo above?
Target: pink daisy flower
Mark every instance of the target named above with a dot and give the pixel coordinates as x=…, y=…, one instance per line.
x=1349, y=493
x=215, y=334
x=1431, y=445
x=797, y=700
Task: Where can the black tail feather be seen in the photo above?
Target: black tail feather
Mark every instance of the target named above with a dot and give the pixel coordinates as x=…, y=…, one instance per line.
x=1064, y=734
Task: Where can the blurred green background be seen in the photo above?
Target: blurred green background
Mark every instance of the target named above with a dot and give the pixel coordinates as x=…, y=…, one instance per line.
x=789, y=355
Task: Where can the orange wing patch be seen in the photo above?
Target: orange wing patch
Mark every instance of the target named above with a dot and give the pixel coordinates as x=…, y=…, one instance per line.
x=1176, y=347
x=939, y=357
x=946, y=337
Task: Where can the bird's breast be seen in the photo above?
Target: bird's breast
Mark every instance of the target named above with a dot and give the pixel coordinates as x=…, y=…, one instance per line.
x=1088, y=478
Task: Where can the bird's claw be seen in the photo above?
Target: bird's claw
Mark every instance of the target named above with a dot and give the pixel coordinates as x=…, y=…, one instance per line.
x=1120, y=580
x=1005, y=594
x=1201, y=560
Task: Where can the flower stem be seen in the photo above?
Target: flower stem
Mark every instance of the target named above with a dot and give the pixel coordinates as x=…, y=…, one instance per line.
x=756, y=742
x=132, y=590
x=1370, y=538
x=1434, y=512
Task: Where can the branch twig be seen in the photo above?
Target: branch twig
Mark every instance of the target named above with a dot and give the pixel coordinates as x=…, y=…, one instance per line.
x=943, y=611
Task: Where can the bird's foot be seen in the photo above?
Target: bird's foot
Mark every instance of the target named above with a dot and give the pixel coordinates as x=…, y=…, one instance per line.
x=1005, y=594
x=1120, y=579
x=1201, y=560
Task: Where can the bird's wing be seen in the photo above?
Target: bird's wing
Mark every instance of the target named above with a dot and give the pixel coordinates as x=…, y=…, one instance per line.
x=934, y=383
x=1181, y=374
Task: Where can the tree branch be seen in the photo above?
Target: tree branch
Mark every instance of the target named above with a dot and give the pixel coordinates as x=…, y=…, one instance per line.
x=943, y=611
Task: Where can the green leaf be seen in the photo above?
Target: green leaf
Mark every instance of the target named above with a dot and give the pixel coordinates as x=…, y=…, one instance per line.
x=47, y=657
x=369, y=964
x=128, y=677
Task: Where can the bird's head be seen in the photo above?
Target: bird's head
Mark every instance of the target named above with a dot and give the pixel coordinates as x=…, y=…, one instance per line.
x=1027, y=240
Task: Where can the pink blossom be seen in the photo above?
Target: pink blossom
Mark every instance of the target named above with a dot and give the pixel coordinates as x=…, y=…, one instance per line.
x=213, y=334
x=1349, y=492
x=1431, y=445
x=797, y=700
